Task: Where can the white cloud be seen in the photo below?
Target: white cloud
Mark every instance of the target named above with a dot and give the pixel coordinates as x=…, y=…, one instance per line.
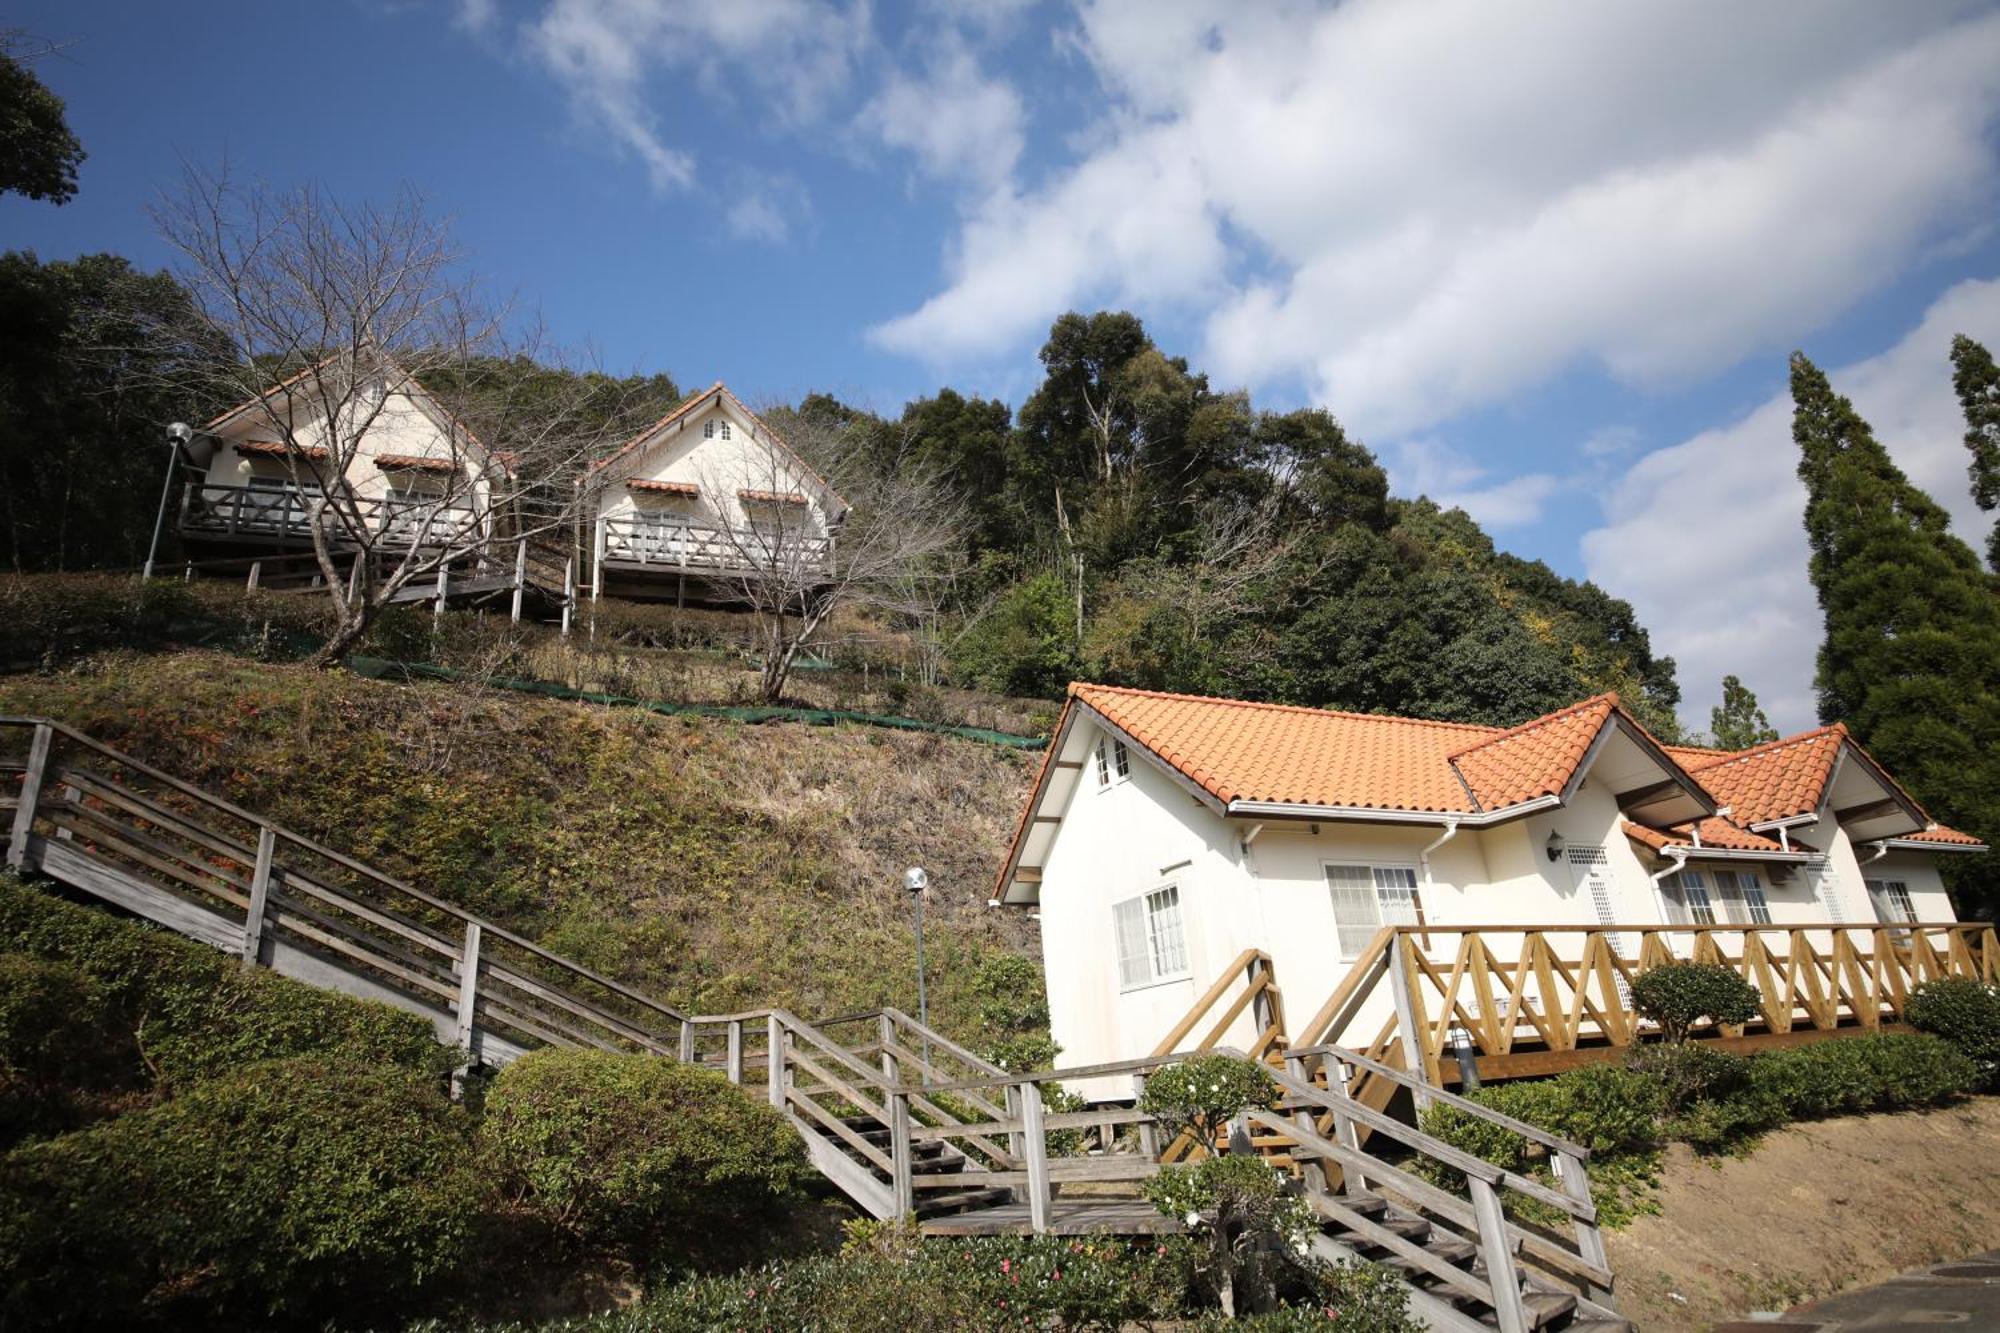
x=1611, y=441
x=1706, y=538
x=1453, y=479
x=959, y=123
x=620, y=59
x=1444, y=202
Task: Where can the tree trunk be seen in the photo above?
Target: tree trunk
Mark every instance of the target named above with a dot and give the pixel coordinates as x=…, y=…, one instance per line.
x=354, y=623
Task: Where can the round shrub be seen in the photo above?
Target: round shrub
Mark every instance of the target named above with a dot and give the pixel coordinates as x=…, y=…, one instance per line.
x=1683, y=996
x=1200, y=1096
x=294, y=1192
x=637, y=1153
x=1965, y=1013
x=1690, y=1072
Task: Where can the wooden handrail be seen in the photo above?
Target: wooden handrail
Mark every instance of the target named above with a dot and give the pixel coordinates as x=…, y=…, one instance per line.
x=1553, y=1142
x=1199, y=1010
x=1371, y=957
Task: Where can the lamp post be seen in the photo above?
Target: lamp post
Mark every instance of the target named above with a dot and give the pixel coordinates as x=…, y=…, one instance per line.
x=915, y=881
x=178, y=434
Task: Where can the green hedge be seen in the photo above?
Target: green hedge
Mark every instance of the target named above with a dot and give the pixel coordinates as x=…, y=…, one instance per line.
x=1965, y=1013
x=294, y=1192
x=59, y=1043
x=194, y=1012
x=657, y=1159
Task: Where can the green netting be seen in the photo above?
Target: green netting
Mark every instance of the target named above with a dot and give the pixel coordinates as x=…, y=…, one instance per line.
x=377, y=668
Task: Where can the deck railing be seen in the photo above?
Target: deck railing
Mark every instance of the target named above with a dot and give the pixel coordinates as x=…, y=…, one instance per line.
x=286, y=514
x=674, y=543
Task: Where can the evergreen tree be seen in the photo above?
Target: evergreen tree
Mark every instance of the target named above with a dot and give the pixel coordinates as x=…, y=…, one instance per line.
x=1738, y=722
x=1977, y=380
x=38, y=153
x=1911, y=659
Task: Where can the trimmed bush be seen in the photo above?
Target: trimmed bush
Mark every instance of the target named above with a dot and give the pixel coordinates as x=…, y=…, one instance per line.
x=1681, y=997
x=58, y=1038
x=1690, y=1072
x=195, y=1013
x=294, y=1192
x=629, y=1152
x=1965, y=1013
x=1200, y=1096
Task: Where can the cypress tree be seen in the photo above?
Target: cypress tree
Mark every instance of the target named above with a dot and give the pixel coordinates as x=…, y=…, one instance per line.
x=1977, y=380
x=1738, y=722
x=1911, y=659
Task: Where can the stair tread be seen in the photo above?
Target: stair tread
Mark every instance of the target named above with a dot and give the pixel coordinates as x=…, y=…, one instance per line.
x=962, y=1201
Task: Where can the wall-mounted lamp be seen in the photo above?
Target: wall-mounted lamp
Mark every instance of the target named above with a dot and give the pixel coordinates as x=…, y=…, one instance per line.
x=1555, y=845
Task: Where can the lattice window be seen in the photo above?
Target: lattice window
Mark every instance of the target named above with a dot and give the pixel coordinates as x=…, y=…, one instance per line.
x=1366, y=898
x=1112, y=759
x=708, y=430
x=1152, y=944
x=1891, y=900
x=1821, y=876
x=1688, y=902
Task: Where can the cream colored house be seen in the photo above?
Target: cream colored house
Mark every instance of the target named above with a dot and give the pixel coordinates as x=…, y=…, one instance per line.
x=1169, y=837
x=416, y=473
x=703, y=499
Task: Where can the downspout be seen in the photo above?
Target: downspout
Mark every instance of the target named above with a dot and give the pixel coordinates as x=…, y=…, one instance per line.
x=1679, y=856
x=1424, y=857
x=1881, y=850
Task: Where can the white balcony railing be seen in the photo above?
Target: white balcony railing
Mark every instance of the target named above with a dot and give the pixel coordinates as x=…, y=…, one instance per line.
x=287, y=514
x=677, y=543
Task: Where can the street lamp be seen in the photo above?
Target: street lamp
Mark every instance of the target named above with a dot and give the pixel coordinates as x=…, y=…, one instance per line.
x=915, y=881
x=178, y=435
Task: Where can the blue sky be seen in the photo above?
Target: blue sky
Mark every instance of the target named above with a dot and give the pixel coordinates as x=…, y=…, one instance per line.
x=1546, y=258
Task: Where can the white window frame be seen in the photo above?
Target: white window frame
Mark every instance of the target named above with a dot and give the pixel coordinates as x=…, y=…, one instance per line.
x=1384, y=878
x=1740, y=893
x=725, y=430
x=1112, y=759
x=1159, y=954
x=1681, y=905
x=708, y=429
x=1893, y=895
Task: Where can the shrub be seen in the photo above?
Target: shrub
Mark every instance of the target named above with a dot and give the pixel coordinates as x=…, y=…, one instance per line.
x=57, y=1038
x=194, y=1012
x=292, y=1192
x=1690, y=1072
x=1965, y=1013
x=1683, y=996
x=1348, y=1298
x=1246, y=1226
x=1200, y=1096
x=636, y=1153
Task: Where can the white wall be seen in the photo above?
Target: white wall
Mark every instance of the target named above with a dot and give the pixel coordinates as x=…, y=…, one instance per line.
x=719, y=467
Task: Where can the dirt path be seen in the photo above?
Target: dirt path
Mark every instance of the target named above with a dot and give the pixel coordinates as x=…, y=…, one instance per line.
x=1815, y=1209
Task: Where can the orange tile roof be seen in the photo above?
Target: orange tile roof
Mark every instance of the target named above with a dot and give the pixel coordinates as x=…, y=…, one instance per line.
x=278, y=448
x=1240, y=751
x=414, y=462
x=695, y=400
x=1716, y=833
x=1534, y=759
x=1940, y=834
x=1776, y=780
x=663, y=487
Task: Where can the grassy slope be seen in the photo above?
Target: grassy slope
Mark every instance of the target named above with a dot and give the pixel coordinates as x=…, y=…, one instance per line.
x=715, y=864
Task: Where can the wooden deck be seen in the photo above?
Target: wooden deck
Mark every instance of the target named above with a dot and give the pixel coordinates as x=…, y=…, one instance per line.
x=1067, y=1217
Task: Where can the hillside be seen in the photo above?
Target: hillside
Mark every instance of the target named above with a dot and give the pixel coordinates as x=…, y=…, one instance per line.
x=716, y=864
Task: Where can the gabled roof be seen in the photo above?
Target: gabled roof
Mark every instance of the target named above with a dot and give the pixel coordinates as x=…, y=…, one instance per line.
x=717, y=392
x=1773, y=781
x=1537, y=758
x=1938, y=836
x=426, y=402
x=1714, y=834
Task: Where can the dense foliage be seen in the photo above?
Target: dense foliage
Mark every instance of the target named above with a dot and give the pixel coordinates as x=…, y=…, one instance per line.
x=39, y=154
x=1965, y=1013
x=1692, y=1093
x=1738, y=722
x=278, y=1194
x=1911, y=657
x=1977, y=379
x=1683, y=996
x=645, y=1154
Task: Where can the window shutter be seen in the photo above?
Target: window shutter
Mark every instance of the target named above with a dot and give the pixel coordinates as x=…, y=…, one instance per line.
x=1128, y=920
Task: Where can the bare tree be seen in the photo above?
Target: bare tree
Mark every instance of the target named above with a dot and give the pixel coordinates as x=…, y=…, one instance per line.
x=820, y=526
x=343, y=319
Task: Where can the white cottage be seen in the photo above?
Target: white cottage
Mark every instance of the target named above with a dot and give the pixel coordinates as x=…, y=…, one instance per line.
x=703, y=499
x=1414, y=884
x=414, y=471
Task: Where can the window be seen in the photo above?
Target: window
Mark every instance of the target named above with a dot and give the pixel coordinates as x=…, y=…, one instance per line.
x=1366, y=898
x=283, y=484
x=1152, y=947
x=1688, y=902
x=1742, y=896
x=708, y=429
x=1891, y=899
x=1114, y=762
x=725, y=430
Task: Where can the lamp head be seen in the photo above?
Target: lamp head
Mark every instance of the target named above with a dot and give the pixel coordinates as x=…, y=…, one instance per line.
x=180, y=432
x=915, y=880
x=1555, y=846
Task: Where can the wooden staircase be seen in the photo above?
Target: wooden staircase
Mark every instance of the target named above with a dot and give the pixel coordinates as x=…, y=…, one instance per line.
x=901, y=1119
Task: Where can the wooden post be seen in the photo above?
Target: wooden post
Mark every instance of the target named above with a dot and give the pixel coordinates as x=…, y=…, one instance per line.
x=260, y=893
x=520, y=577
x=1575, y=1182
x=1402, y=989
x=443, y=591
x=886, y=1030
x=1017, y=1140
x=733, y=1059
x=899, y=1150
x=1149, y=1133
x=687, y=1041
x=774, y=1061
x=1038, y=1158
x=468, y=986
x=256, y=572
x=1493, y=1247
x=1312, y=1170
x=31, y=794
